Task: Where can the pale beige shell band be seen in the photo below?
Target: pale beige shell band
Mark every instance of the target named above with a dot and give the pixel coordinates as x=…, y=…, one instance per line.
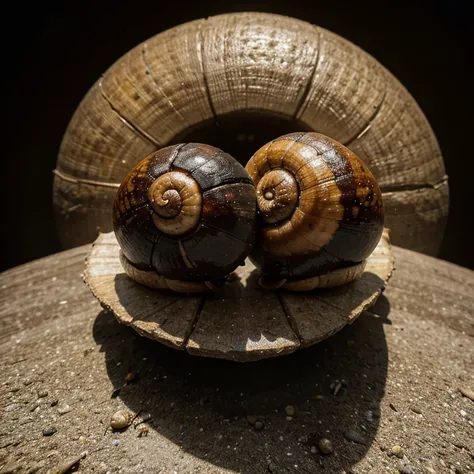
x=152, y=279
x=338, y=277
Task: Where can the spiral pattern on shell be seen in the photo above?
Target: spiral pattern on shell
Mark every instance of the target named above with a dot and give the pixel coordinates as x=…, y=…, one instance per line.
x=176, y=199
x=320, y=207
x=186, y=212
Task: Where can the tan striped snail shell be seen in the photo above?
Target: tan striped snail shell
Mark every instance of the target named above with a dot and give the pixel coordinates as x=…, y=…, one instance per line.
x=185, y=218
x=320, y=212
x=121, y=419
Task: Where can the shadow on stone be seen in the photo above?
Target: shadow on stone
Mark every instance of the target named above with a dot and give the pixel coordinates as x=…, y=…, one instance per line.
x=201, y=404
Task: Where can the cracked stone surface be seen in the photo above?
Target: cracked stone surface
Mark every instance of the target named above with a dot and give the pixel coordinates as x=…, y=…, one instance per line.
x=243, y=322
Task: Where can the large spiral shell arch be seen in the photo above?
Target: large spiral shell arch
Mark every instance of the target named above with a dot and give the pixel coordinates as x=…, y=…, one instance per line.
x=250, y=61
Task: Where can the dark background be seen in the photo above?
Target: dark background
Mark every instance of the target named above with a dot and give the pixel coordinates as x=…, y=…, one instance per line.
x=52, y=53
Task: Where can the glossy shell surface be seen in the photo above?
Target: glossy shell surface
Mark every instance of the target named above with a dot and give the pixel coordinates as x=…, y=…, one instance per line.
x=320, y=207
x=187, y=212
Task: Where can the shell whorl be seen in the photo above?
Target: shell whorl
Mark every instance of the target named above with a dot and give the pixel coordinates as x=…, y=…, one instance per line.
x=277, y=195
x=186, y=211
x=320, y=206
x=176, y=200
x=306, y=208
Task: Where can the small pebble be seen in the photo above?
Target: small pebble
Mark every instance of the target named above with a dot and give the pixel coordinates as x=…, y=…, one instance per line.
x=335, y=386
x=115, y=442
x=415, y=409
x=397, y=451
x=252, y=419
x=290, y=410
x=353, y=435
x=63, y=409
x=49, y=431
x=405, y=470
x=314, y=449
x=42, y=394
x=271, y=466
x=258, y=426
x=54, y=402
x=392, y=406
x=325, y=446
x=88, y=351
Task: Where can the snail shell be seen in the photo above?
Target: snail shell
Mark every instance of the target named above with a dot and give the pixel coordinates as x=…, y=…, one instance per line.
x=320, y=212
x=185, y=218
x=121, y=419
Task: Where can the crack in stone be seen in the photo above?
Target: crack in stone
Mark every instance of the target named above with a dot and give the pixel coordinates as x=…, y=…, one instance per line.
x=299, y=111
x=157, y=310
x=289, y=317
x=194, y=321
x=200, y=55
x=135, y=128
x=371, y=120
x=395, y=188
x=90, y=182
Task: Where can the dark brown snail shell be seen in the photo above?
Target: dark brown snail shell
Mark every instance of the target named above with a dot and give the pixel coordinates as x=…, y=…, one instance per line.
x=320, y=212
x=185, y=218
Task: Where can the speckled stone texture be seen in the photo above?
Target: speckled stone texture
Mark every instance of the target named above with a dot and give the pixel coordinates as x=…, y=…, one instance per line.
x=398, y=369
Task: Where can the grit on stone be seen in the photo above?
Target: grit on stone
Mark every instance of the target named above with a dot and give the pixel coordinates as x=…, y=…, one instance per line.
x=414, y=350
